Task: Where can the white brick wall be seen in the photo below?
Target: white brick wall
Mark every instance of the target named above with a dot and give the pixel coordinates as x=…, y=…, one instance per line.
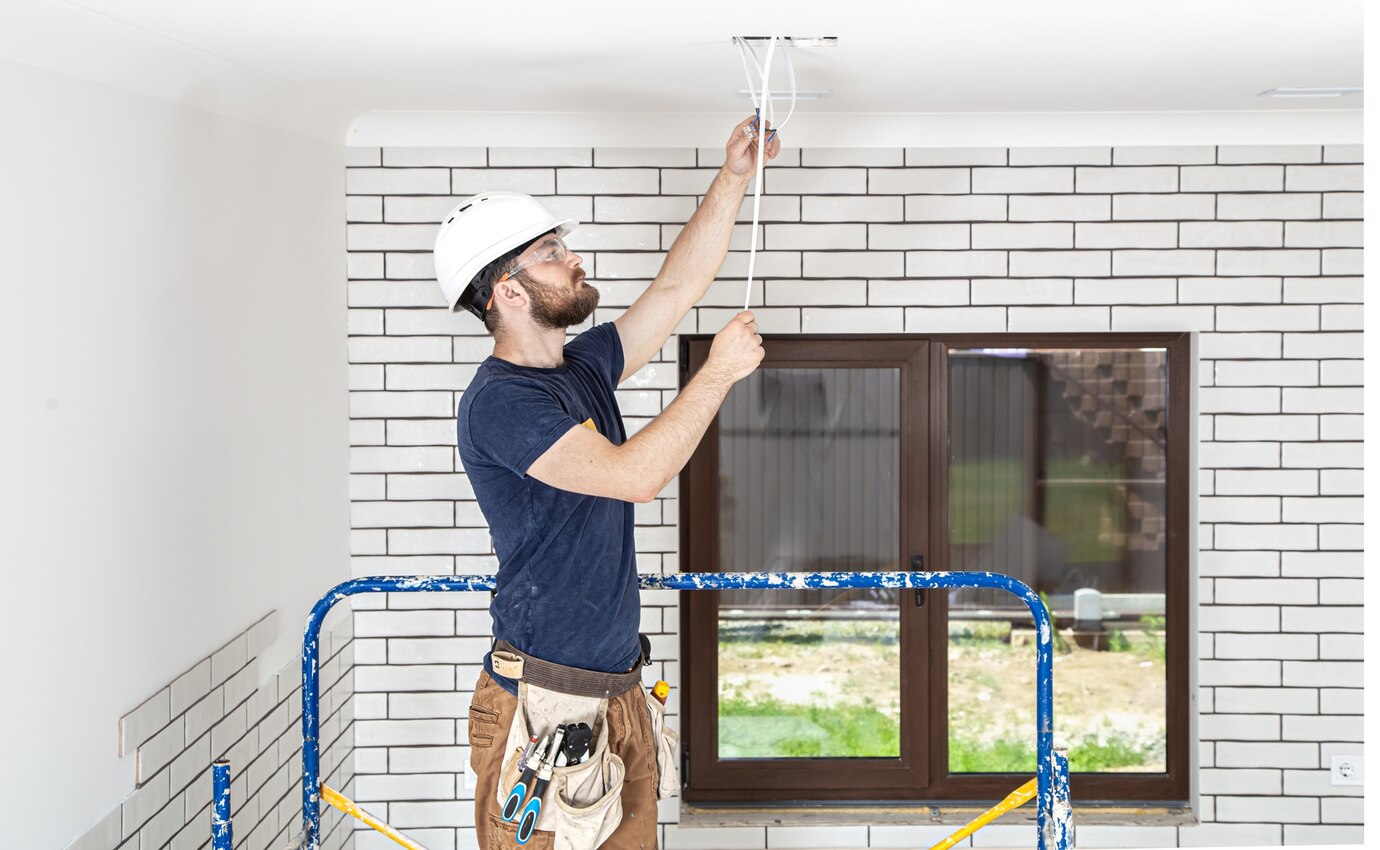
x=220, y=709
x=1255, y=247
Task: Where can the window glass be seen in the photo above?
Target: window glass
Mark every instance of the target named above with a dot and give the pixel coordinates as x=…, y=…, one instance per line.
x=809, y=469
x=1057, y=476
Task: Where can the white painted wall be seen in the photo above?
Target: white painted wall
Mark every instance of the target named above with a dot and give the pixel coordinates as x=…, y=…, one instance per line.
x=175, y=426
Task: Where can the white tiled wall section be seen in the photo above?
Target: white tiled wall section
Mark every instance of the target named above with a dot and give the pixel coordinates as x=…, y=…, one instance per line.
x=219, y=709
x=1256, y=247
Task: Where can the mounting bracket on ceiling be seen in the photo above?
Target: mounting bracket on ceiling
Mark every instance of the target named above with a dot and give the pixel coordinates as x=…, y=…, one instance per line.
x=795, y=40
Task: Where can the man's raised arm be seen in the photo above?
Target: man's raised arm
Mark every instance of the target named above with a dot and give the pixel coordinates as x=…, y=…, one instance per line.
x=694, y=258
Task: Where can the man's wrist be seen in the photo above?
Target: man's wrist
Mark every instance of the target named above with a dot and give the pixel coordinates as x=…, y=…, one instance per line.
x=737, y=181
x=721, y=380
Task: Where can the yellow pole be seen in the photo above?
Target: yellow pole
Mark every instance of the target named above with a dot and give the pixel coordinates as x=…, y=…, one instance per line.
x=1014, y=800
x=351, y=808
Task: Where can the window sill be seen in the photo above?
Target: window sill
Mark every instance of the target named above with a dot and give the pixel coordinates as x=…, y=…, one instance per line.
x=701, y=815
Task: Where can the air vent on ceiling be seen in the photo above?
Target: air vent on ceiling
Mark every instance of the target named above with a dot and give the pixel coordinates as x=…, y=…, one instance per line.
x=1315, y=91
x=800, y=95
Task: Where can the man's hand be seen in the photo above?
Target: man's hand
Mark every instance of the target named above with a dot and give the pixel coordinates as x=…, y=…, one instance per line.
x=741, y=158
x=737, y=349
x=582, y=461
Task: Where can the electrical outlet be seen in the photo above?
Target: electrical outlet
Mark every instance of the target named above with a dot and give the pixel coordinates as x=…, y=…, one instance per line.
x=1348, y=770
x=471, y=781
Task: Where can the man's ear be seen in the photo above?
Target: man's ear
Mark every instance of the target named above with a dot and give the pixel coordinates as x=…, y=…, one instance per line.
x=510, y=293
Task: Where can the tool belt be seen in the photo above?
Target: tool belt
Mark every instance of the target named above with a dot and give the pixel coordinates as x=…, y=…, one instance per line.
x=580, y=803
x=513, y=663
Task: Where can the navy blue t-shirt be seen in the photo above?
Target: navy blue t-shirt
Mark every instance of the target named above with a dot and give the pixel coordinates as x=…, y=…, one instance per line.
x=567, y=577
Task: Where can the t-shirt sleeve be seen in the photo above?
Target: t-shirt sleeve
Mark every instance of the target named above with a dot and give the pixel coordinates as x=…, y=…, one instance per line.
x=601, y=347
x=512, y=423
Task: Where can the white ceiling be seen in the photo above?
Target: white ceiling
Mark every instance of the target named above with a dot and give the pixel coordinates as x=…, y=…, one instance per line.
x=1090, y=60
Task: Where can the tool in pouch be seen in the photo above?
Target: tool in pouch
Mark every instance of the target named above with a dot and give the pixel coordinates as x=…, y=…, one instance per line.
x=571, y=784
x=528, y=821
x=513, y=804
x=532, y=744
x=577, y=741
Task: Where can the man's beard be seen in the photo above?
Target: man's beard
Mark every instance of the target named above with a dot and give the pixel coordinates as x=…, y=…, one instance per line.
x=550, y=309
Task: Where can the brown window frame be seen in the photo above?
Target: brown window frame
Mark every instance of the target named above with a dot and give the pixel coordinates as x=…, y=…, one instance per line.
x=921, y=773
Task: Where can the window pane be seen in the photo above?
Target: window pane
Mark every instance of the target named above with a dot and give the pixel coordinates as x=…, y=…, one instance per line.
x=1057, y=468
x=809, y=465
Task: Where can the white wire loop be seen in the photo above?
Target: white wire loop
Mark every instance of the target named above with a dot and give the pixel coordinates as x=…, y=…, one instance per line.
x=766, y=117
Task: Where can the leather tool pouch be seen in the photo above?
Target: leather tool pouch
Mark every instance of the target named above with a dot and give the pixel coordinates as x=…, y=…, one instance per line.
x=582, y=804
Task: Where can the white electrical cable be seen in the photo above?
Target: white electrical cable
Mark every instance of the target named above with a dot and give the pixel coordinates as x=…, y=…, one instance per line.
x=763, y=122
x=766, y=113
x=790, y=72
x=747, y=55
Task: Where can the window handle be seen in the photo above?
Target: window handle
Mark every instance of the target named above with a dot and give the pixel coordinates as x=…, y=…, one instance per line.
x=917, y=562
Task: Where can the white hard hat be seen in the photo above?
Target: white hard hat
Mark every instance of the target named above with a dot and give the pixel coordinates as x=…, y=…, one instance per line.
x=481, y=229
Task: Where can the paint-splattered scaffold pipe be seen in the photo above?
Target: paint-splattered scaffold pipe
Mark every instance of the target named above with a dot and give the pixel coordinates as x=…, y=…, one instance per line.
x=220, y=805
x=1051, y=773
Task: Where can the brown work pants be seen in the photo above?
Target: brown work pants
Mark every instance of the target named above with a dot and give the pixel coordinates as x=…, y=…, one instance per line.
x=630, y=737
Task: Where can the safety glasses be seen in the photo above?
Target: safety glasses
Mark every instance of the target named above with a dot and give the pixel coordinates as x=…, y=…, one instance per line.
x=553, y=250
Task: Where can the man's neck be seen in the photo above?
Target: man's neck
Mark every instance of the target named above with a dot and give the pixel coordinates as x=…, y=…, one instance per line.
x=531, y=346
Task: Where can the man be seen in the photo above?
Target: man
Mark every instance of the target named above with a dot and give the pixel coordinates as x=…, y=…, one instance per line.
x=543, y=443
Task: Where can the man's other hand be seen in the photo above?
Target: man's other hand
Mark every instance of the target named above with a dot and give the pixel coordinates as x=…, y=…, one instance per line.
x=741, y=158
x=737, y=349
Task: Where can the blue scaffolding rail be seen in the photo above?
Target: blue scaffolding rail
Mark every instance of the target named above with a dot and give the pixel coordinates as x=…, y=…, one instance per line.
x=1054, y=814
